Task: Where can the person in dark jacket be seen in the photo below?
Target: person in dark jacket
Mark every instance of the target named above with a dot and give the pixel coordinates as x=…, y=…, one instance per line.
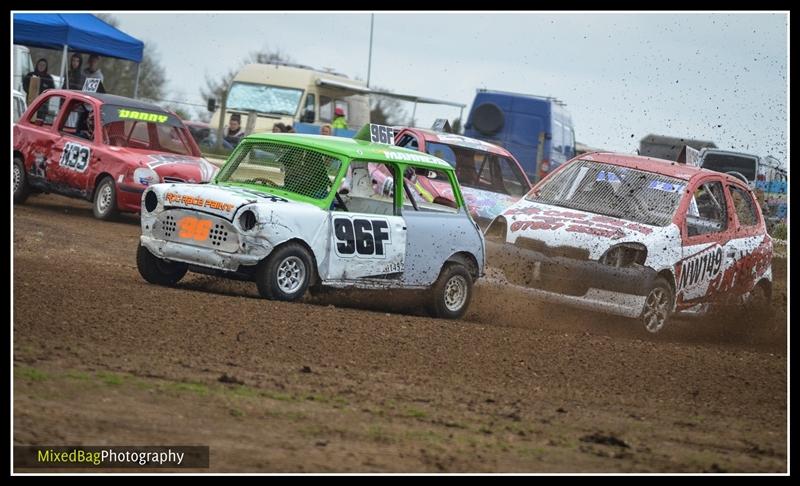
x=233, y=132
x=45, y=79
x=76, y=77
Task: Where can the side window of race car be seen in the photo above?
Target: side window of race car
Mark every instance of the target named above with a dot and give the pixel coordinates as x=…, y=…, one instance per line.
x=368, y=188
x=408, y=141
x=48, y=111
x=428, y=190
x=76, y=121
x=744, y=206
x=711, y=210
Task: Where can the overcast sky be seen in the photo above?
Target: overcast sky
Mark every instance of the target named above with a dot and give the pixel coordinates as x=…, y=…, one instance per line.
x=719, y=77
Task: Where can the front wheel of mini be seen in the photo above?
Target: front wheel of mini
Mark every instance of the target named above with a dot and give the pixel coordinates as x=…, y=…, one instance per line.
x=105, y=199
x=658, y=306
x=21, y=188
x=451, y=293
x=286, y=273
x=158, y=271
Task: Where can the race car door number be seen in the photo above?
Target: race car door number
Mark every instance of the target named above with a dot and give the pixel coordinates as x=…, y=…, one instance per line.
x=75, y=157
x=366, y=246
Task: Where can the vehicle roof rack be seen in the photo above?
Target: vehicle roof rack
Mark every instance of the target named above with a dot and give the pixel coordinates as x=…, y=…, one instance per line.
x=544, y=97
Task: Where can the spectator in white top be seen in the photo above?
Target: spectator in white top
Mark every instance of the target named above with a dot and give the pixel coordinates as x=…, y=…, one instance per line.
x=93, y=70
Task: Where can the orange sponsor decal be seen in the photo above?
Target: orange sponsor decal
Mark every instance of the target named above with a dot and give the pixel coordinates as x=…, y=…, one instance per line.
x=198, y=201
x=192, y=228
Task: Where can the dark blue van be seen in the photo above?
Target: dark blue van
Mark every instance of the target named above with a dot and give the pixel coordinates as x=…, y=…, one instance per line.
x=536, y=129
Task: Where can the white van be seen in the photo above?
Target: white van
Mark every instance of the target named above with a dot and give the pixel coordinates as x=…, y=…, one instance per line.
x=20, y=105
x=292, y=93
x=22, y=65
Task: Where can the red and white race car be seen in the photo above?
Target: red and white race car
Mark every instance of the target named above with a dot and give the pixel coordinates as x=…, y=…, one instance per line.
x=638, y=237
x=103, y=148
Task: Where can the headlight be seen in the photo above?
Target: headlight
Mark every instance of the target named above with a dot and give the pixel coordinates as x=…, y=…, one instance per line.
x=625, y=255
x=150, y=201
x=247, y=220
x=145, y=176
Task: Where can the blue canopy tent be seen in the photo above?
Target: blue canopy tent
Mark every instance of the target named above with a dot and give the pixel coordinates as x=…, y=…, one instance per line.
x=79, y=32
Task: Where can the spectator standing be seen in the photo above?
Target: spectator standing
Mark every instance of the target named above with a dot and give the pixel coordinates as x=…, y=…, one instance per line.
x=45, y=79
x=93, y=71
x=75, y=74
x=339, y=120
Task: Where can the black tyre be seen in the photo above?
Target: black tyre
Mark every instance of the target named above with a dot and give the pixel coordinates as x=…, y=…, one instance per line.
x=658, y=306
x=451, y=293
x=286, y=273
x=21, y=188
x=104, y=205
x=158, y=271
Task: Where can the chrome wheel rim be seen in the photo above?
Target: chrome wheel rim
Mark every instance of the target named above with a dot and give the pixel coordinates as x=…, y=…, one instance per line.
x=104, y=198
x=17, y=177
x=656, y=309
x=455, y=293
x=291, y=274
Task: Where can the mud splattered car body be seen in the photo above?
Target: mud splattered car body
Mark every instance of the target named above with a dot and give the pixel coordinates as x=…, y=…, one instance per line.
x=637, y=237
x=295, y=211
x=103, y=148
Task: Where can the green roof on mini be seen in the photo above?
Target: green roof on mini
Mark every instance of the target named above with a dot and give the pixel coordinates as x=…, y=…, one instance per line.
x=354, y=149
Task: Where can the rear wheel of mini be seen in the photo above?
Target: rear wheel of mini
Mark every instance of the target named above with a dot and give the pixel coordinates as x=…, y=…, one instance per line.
x=21, y=188
x=451, y=293
x=158, y=271
x=658, y=306
x=286, y=273
x=105, y=199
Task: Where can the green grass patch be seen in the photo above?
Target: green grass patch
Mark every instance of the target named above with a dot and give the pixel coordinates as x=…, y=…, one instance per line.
x=112, y=379
x=415, y=413
x=191, y=387
x=78, y=375
x=377, y=433
x=29, y=373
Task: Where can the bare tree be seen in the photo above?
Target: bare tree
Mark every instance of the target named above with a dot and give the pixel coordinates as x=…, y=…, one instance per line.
x=385, y=110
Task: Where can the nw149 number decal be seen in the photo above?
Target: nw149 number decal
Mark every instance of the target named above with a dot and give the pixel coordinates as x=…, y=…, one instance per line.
x=362, y=237
x=75, y=156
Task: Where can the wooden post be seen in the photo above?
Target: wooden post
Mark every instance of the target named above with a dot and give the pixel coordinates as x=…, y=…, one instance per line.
x=33, y=89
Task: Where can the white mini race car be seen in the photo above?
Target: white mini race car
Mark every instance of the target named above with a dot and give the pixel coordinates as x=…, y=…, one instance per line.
x=294, y=212
x=637, y=237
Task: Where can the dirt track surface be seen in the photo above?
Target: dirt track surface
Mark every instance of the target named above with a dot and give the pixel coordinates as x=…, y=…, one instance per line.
x=103, y=358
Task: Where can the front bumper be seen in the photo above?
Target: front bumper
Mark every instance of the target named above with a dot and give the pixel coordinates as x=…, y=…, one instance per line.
x=194, y=255
x=582, y=283
x=223, y=248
